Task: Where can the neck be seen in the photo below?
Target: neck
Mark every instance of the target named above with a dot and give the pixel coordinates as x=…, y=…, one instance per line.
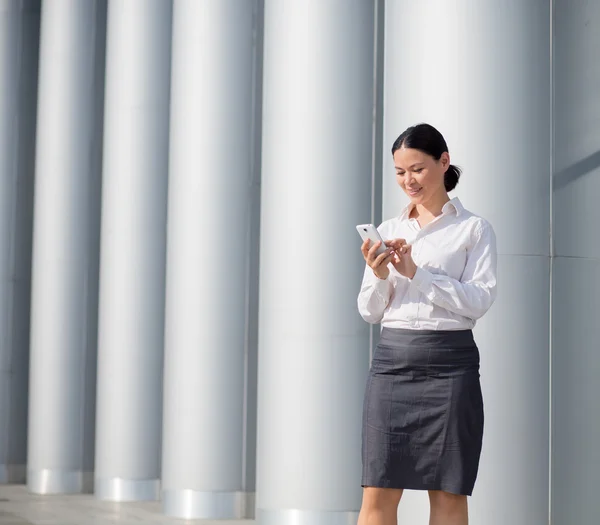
x=434, y=205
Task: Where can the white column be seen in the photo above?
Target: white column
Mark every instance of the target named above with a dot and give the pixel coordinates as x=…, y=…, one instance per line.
x=576, y=270
x=481, y=75
x=65, y=247
x=316, y=186
x=19, y=27
x=212, y=179
x=132, y=269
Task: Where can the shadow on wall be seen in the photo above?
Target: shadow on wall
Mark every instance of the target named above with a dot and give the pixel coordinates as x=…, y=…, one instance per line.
x=585, y=166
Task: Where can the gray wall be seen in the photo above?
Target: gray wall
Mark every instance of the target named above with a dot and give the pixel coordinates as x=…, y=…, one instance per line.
x=576, y=268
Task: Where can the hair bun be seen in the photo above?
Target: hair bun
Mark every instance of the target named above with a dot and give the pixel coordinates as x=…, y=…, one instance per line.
x=451, y=177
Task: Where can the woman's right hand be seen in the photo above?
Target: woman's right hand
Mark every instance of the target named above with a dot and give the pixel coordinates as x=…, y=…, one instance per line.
x=378, y=263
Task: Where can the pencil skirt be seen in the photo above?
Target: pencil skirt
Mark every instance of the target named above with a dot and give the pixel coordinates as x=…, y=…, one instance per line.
x=423, y=412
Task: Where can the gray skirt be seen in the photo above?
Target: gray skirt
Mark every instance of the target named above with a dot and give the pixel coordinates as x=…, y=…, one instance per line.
x=423, y=412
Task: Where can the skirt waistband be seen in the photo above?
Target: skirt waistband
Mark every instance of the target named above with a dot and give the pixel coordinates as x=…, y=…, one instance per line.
x=425, y=353
x=402, y=337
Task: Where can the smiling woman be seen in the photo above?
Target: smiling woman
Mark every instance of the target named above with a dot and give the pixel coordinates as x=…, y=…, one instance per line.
x=422, y=151
x=423, y=407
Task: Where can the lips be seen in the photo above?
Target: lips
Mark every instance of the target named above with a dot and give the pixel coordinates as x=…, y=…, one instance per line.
x=413, y=191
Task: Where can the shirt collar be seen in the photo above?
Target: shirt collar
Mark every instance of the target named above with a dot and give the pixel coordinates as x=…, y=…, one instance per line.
x=452, y=204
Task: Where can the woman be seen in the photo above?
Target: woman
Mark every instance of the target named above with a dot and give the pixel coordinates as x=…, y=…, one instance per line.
x=423, y=409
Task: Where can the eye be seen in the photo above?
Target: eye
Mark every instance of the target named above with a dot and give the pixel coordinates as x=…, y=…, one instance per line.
x=400, y=173
x=418, y=170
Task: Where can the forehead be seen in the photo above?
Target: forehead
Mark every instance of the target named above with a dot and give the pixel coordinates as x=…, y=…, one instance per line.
x=406, y=157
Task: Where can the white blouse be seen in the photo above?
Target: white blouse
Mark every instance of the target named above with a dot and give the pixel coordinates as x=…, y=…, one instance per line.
x=455, y=283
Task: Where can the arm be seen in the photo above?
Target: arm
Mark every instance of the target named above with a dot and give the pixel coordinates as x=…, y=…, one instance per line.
x=475, y=293
x=374, y=296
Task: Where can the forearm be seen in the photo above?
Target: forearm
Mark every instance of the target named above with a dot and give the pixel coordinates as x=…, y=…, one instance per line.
x=469, y=299
x=374, y=298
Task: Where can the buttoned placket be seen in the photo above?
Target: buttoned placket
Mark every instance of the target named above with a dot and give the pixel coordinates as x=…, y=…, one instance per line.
x=418, y=245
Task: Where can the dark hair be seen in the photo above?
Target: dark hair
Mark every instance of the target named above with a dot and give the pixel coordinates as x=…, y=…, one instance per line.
x=429, y=140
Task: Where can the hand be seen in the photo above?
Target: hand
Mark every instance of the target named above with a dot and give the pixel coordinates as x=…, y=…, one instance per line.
x=378, y=263
x=402, y=257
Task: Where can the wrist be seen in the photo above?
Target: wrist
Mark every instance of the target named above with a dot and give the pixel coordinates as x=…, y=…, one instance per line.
x=382, y=277
x=422, y=279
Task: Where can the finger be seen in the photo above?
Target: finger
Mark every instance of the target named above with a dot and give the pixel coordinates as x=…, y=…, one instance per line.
x=373, y=249
x=383, y=259
x=396, y=243
x=379, y=259
x=364, y=248
x=400, y=250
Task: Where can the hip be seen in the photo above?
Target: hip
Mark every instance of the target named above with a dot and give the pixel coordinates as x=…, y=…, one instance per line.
x=425, y=352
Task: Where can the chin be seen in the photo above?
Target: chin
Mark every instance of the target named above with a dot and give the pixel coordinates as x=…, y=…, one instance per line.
x=416, y=199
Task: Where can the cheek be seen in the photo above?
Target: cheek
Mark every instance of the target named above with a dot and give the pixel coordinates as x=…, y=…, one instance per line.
x=431, y=179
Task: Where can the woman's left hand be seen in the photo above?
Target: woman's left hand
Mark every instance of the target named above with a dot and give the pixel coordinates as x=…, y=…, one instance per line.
x=402, y=260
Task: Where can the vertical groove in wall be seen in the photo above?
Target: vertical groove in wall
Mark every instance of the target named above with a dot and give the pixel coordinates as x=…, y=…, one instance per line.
x=378, y=50
x=91, y=283
x=13, y=256
x=377, y=144
x=252, y=256
x=551, y=251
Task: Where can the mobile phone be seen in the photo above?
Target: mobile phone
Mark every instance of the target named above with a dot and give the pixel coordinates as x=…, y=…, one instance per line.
x=368, y=231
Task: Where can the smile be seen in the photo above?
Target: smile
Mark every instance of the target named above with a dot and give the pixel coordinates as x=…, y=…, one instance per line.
x=413, y=191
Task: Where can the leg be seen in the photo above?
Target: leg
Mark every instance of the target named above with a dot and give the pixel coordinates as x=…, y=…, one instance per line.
x=379, y=506
x=448, y=509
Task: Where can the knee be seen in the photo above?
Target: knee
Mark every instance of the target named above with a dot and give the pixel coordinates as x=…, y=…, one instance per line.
x=447, y=503
x=380, y=502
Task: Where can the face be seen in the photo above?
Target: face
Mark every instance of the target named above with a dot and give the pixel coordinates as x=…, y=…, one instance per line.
x=420, y=175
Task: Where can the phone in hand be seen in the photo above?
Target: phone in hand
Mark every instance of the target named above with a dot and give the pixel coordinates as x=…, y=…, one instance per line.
x=368, y=231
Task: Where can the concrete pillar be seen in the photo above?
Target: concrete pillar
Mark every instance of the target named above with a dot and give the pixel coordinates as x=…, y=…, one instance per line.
x=318, y=113
x=481, y=75
x=19, y=27
x=208, y=392
x=576, y=270
x=132, y=269
x=65, y=247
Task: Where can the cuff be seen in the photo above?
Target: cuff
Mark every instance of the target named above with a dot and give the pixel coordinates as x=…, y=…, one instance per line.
x=383, y=286
x=422, y=280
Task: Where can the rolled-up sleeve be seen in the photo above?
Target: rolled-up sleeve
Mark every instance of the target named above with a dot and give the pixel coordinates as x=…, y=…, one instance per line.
x=475, y=293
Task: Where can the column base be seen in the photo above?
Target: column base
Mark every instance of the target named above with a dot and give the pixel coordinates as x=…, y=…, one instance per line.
x=49, y=481
x=305, y=517
x=119, y=489
x=16, y=474
x=191, y=504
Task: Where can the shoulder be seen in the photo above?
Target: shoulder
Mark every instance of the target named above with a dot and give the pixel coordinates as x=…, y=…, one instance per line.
x=479, y=228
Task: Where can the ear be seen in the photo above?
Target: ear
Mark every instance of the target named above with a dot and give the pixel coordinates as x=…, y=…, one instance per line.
x=445, y=160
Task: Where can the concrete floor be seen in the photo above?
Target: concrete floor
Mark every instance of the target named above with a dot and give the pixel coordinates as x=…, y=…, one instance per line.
x=18, y=507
